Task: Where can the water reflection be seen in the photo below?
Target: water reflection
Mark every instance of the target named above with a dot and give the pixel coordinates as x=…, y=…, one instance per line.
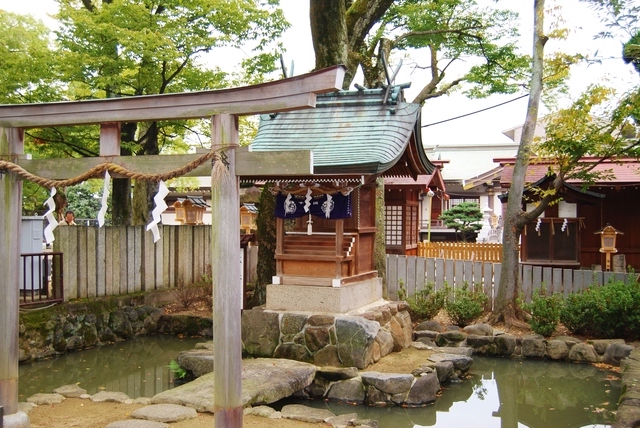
x=508, y=394
x=501, y=393
x=136, y=367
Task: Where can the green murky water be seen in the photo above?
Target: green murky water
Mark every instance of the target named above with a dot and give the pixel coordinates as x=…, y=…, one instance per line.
x=137, y=367
x=500, y=393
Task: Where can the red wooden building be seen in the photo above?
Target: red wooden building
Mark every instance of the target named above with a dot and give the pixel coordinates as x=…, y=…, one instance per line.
x=566, y=234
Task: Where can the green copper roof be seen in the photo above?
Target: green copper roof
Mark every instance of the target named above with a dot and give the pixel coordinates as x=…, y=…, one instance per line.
x=352, y=132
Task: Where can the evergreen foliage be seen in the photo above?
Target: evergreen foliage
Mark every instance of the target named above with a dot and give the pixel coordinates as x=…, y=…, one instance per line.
x=464, y=218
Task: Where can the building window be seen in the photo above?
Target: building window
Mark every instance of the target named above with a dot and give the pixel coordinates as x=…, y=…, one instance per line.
x=393, y=225
x=550, y=244
x=457, y=200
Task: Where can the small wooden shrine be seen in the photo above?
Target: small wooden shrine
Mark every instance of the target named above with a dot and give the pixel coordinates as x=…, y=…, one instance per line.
x=326, y=222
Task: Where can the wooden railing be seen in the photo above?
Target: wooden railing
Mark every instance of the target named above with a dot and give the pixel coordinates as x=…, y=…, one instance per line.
x=415, y=273
x=472, y=251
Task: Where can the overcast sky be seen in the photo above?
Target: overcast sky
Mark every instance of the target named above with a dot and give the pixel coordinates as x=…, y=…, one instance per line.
x=482, y=127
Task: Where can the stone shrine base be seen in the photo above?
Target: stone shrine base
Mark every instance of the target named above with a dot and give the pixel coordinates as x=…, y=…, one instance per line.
x=337, y=300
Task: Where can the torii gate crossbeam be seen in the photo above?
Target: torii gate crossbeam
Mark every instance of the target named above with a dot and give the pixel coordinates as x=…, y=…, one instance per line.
x=224, y=107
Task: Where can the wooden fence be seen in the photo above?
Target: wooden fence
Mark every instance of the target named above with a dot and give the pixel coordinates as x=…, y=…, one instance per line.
x=487, y=252
x=415, y=273
x=124, y=259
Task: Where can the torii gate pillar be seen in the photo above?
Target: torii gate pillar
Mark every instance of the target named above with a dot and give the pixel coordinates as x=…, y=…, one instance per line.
x=227, y=292
x=11, y=143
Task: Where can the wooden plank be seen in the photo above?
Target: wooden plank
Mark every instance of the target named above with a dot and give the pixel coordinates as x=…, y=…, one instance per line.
x=536, y=282
x=458, y=273
x=392, y=276
x=101, y=258
x=167, y=242
x=110, y=139
x=411, y=275
x=597, y=278
x=108, y=261
x=440, y=274
x=449, y=272
x=527, y=282
x=486, y=271
x=431, y=271
x=137, y=261
x=124, y=259
x=608, y=276
x=159, y=262
x=468, y=273
x=567, y=282
x=578, y=283
x=478, y=278
x=131, y=260
x=421, y=270
x=185, y=264
x=497, y=270
x=281, y=95
x=82, y=261
x=91, y=253
x=547, y=279
x=557, y=281
x=148, y=261
x=402, y=271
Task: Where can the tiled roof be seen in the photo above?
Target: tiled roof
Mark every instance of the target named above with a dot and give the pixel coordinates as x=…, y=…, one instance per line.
x=626, y=171
x=352, y=132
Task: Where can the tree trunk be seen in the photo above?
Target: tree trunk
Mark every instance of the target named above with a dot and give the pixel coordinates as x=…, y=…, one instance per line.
x=143, y=192
x=329, y=35
x=506, y=308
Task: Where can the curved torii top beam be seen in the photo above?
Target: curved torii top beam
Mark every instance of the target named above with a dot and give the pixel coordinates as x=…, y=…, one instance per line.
x=281, y=95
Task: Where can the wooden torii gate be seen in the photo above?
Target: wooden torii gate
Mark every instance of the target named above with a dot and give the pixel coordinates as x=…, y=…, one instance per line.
x=223, y=107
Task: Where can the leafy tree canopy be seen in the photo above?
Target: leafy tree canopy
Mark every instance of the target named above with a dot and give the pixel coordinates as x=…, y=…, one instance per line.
x=464, y=218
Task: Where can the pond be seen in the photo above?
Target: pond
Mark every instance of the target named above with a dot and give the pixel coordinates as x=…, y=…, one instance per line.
x=500, y=393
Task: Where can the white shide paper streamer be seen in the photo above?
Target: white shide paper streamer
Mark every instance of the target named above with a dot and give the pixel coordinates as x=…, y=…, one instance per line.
x=105, y=199
x=161, y=205
x=48, y=231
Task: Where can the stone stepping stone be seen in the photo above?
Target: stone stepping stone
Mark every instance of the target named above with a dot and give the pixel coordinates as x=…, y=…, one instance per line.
x=137, y=423
x=45, y=399
x=109, y=396
x=263, y=411
x=165, y=413
x=70, y=391
x=302, y=413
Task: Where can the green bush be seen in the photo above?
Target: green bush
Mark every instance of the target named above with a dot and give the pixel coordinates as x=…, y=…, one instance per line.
x=545, y=312
x=464, y=305
x=424, y=304
x=610, y=311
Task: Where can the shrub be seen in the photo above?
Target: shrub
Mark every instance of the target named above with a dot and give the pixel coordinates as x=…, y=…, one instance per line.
x=612, y=310
x=465, y=305
x=424, y=304
x=545, y=312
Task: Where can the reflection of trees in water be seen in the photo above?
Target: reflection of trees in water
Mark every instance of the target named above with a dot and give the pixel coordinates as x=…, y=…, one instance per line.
x=136, y=367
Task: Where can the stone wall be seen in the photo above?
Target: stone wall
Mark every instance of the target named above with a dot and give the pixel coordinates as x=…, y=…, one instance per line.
x=75, y=326
x=327, y=339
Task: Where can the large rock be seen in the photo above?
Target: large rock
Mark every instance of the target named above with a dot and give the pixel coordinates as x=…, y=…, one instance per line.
x=120, y=324
x=348, y=391
x=582, y=353
x=460, y=362
x=429, y=326
x=557, y=349
x=302, y=413
x=533, y=346
x=165, y=413
x=505, y=344
x=137, y=423
x=355, y=337
x=424, y=390
x=616, y=352
x=390, y=383
x=264, y=381
x=70, y=391
x=401, y=331
x=451, y=338
x=197, y=361
x=385, y=340
x=42, y=399
x=479, y=329
x=600, y=345
x=260, y=333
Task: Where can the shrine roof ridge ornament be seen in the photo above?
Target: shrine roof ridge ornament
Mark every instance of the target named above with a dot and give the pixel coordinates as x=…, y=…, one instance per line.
x=280, y=95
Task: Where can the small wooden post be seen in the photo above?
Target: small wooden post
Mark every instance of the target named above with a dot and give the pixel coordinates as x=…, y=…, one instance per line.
x=11, y=145
x=225, y=267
